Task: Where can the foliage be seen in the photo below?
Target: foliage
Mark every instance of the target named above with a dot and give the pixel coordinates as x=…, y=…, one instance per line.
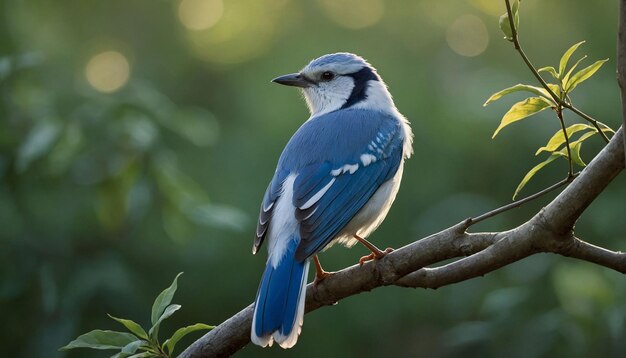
x=95, y=229
x=554, y=95
x=138, y=343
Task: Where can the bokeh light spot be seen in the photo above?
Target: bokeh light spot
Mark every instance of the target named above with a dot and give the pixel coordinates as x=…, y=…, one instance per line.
x=468, y=36
x=244, y=31
x=354, y=14
x=107, y=71
x=200, y=14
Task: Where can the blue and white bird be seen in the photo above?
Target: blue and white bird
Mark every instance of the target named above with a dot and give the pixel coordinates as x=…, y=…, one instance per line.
x=335, y=182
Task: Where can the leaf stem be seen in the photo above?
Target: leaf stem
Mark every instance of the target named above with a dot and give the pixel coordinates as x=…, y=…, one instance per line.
x=559, y=113
x=471, y=221
x=532, y=69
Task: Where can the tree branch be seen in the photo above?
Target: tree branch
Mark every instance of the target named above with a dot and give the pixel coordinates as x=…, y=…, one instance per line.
x=621, y=59
x=550, y=230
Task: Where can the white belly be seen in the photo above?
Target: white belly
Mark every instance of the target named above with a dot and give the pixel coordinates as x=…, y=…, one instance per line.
x=373, y=213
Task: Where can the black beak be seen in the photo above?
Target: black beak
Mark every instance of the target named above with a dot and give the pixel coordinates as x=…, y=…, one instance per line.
x=293, y=79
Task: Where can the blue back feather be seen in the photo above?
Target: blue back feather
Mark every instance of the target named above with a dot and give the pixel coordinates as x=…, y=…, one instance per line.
x=321, y=145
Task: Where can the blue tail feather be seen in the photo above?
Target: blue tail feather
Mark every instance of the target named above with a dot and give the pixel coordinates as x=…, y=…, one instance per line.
x=278, y=297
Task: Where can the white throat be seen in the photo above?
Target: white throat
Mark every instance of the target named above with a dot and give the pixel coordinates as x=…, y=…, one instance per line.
x=328, y=97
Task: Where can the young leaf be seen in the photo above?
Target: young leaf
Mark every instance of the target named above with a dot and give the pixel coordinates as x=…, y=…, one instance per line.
x=558, y=138
x=144, y=355
x=181, y=332
x=133, y=327
x=566, y=56
x=154, y=331
x=555, y=88
x=575, y=149
x=583, y=74
x=521, y=110
x=566, y=77
x=534, y=171
x=550, y=70
x=505, y=27
x=504, y=23
x=518, y=87
x=163, y=300
x=130, y=349
x=100, y=339
x=515, y=11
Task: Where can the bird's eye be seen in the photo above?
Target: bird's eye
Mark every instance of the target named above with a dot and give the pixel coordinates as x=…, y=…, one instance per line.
x=327, y=76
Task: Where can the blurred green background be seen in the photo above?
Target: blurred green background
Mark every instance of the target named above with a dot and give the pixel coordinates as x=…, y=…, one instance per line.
x=137, y=138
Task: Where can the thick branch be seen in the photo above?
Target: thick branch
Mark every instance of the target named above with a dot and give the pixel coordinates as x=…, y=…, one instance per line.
x=621, y=59
x=550, y=230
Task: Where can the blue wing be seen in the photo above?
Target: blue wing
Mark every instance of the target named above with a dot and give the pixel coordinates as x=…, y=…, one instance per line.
x=328, y=194
x=341, y=159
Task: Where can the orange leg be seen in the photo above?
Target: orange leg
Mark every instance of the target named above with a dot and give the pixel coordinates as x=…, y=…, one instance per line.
x=320, y=274
x=376, y=252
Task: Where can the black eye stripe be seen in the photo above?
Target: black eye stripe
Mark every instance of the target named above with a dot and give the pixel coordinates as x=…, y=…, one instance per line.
x=361, y=78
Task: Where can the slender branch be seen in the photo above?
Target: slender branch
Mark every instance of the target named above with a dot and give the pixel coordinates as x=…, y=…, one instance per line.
x=583, y=250
x=559, y=114
x=588, y=118
x=621, y=59
x=544, y=84
x=550, y=230
x=520, y=202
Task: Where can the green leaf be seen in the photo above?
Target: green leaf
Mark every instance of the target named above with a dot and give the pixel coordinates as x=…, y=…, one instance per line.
x=515, y=10
x=154, y=331
x=133, y=327
x=575, y=149
x=163, y=300
x=181, y=332
x=144, y=355
x=100, y=339
x=583, y=74
x=518, y=87
x=534, y=171
x=558, y=138
x=566, y=77
x=505, y=27
x=550, y=70
x=555, y=88
x=521, y=110
x=566, y=56
x=130, y=349
x=37, y=143
x=505, y=24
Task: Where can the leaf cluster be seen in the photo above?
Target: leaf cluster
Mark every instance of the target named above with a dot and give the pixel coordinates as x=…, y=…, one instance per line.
x=137, y=343
x=564, y=81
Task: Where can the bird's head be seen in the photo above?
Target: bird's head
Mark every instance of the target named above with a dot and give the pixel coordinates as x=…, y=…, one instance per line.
x=340, y=80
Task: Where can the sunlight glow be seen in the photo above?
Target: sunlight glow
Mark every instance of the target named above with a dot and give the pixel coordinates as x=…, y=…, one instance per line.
x=107, y=71
x=245, y=30
x=354, y=14
x=468, y=36
x=200, y=14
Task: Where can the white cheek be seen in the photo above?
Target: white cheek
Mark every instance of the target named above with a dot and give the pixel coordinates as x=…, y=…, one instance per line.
x=328, y=96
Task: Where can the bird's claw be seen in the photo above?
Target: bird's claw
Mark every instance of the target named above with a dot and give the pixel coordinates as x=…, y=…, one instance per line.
x=320, y=276
x=374, y=256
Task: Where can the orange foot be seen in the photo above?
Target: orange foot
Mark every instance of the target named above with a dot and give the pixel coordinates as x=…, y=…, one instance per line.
x=320, y=274
x=375, y=255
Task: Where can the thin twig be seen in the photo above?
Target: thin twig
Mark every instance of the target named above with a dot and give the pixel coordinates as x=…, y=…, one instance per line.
x=518, y=203
x=621, y=59
x=559, y=114
x=544, y=84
